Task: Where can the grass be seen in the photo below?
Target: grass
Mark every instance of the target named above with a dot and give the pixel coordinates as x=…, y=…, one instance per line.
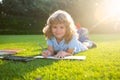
x=102, y=63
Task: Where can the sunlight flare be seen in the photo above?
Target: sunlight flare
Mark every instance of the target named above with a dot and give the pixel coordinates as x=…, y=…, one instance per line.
x=109, y=8
x=108, y=12
x=1, y=1
x=113, y=7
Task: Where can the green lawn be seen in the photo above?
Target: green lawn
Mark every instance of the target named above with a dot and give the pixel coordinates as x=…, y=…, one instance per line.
x=102, y=63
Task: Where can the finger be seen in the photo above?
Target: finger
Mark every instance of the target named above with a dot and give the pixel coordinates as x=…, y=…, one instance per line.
x=62, y=56
x=45, y=55
x=56, y=56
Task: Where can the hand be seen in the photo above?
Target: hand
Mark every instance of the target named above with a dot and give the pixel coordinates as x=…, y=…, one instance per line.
x=60, y=54
x=46, y=53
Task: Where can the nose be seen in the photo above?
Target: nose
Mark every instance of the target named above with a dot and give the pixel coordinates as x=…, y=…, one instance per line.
x=57, y=30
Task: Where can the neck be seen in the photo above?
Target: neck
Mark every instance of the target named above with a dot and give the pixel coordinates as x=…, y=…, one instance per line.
x=59, y=40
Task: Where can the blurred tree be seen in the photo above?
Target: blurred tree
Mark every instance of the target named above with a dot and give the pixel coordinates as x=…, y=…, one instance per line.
x=40, y=10
x=31, y=15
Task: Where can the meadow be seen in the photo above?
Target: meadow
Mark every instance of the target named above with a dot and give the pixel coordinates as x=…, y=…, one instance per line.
x=102, y=63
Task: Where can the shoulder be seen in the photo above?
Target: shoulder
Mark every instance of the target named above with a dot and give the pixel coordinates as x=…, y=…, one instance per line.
x=74, y=39
x=52, y=39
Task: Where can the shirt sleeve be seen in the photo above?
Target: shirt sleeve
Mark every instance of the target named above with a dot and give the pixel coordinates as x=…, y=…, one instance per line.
x=73, y=42
x=49, y=42
x=77, y=45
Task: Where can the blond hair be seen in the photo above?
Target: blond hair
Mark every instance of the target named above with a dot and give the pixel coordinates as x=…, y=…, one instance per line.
x=63, y=17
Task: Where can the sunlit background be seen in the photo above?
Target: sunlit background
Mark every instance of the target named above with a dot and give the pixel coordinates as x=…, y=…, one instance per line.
x=29, y=16
x=0, y=1
x=108, y=12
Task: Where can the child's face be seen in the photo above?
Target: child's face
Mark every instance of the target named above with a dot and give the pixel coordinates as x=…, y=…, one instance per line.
x=59, y=30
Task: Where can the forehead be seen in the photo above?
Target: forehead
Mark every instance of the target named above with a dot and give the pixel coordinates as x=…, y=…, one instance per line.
x=59, y=24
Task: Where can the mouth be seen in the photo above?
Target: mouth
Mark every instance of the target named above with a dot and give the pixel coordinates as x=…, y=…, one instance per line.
x=58, y=33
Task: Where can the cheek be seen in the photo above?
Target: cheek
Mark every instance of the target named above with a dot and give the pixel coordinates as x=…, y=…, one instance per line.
x=64, y=31
x=53, y=30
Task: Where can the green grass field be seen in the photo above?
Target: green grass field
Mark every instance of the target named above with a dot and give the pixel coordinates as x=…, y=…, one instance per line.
x=102, y=63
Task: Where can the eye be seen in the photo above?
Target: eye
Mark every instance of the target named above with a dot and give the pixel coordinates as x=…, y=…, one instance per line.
x=62, y=27
x=54, y=27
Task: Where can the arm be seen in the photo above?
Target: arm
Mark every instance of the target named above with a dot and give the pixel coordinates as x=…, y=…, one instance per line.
x=48, y=52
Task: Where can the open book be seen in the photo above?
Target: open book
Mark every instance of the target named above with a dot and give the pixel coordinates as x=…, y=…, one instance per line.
x=26, y=59
x=67, y=57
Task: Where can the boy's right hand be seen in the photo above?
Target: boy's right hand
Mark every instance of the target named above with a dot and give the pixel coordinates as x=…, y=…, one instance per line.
x=46, y=53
